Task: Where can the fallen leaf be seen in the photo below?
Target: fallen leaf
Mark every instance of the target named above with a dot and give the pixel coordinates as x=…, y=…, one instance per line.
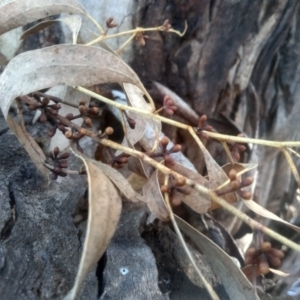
x=154, y=197
x=234, y=281
x=116, y=177
x=55, y=66
x=104, y=212
x=17, y=13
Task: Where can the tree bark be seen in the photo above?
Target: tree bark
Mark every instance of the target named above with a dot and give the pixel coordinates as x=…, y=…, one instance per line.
x=238, y=63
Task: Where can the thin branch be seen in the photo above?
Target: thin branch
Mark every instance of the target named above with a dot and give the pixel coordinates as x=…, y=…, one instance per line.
x=201, y=189
x=135, y=31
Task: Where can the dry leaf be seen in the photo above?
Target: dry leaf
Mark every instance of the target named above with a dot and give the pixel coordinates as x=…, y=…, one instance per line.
x=234, y=281
x=279, y=273
x=144, y=126
x=154, y=197
x=73, y=22
x=104, y=211
x=116, y=177
x=17, y=13
x=255, y=207
x=55, y=65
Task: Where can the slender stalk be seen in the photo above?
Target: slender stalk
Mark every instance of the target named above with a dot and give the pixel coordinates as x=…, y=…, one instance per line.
x=135, y=31
x=244, y=140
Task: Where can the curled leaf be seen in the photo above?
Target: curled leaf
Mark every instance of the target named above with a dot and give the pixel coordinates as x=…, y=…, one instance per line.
x=267, y=214
x=116, y=177
x=73, y=22
x=17, y=13
x=236, y=284
x=55, y=65
x=104, y=211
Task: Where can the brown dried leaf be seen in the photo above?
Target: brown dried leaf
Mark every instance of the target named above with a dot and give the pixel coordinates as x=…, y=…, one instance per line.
x=17, y=13
x=255, y=207
x=73, y=22
x=61, y=64
x=234, y=281
x=154, y=197
x=145, y=126
x=104, y=211
x=116, y=177
x=279, y=273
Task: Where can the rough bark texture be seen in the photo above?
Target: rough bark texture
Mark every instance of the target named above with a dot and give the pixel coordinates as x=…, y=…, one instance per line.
x=239, y=64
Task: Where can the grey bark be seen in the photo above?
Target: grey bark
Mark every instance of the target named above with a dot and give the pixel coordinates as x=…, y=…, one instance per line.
x=238, y=63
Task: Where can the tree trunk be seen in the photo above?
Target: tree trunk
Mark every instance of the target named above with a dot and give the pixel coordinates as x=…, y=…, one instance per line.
x=238, y=63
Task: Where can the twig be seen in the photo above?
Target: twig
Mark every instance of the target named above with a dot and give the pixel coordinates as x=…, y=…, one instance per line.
x=135, y=31
x=201, y=189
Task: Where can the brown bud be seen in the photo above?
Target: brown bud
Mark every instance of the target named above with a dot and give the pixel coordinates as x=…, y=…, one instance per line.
x=63, y=164
x=266, y=246
x=65, y=155
x=169, y=162
x=81, y=109
x=122, y=160
x=109, y=130
x=274, y=261
x=83, y=131
x=247, y=181
x=164, y=189
x=55, y=151
x=43, y=118
x=69, y=135
x=245, y=195
x=180, y=181
x=52, y=131
x=232, y=174
x=251, y=251
x=62, y=128
x=203, y=119
x=62, y=174
x=45, y=101
x=234, y=185
x=88, y=122
x=276, y=253
x=164, y=141
x=263, y=267
x=236, y=155
x=176, y=148
x=94, y=111
x=69, y=116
